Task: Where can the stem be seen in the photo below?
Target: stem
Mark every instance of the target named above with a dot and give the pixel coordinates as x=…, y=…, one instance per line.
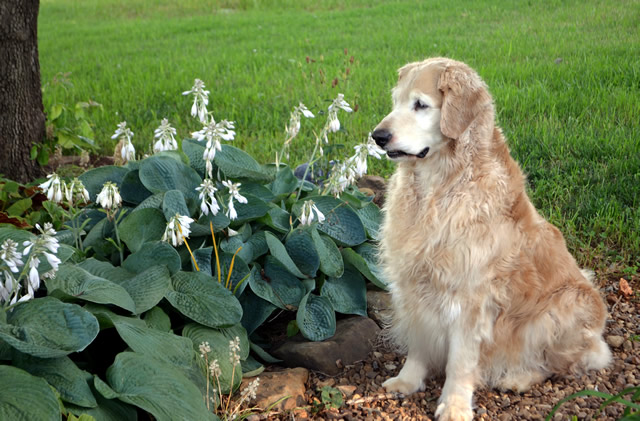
x=115, y=227
x=233, y=259
x=215, y=249
x=311, y=162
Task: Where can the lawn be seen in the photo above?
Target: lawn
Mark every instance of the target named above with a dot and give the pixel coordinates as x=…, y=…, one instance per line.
x=565, y=77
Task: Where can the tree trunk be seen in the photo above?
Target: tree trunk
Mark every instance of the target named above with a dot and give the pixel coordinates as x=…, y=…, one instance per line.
x=22, y=119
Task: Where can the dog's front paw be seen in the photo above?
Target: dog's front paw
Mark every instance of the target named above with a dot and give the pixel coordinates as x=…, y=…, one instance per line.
x=454, y=411
x=403, y=385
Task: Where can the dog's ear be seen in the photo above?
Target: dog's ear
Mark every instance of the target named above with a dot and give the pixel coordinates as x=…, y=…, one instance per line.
x=466, y=103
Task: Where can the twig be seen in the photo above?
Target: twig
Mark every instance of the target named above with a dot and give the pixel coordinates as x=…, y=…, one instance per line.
x=381, y=396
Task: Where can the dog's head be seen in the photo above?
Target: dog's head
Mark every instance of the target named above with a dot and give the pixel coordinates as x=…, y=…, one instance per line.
x=437, y=102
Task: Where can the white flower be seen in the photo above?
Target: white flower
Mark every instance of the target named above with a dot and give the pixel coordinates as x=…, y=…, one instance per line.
x=234, y=351
x=212, y=133
x=109, y=198
x=204, y=348
x=214, y=369
x=177, y=230
x=207, y=192
x=341, y=176
x=307, y=217
x=6, y=288
x=124, y=134
x=234, y=193
x=165, y=135
x=294, y=121
x=200, y=100
x=333, y=124
x=339, y=102
x=53, y=186
x=34, y=276
x=10, y=256
x=75, y=192
x=249, y=392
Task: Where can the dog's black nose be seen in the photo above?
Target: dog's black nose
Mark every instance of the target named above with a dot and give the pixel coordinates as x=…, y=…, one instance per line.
x=381, y=136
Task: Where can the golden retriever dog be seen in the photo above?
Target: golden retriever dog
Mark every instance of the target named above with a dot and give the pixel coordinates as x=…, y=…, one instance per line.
x=483, y=288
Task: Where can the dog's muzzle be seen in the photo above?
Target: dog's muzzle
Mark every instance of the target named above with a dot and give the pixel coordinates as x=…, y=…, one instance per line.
x=383, y=137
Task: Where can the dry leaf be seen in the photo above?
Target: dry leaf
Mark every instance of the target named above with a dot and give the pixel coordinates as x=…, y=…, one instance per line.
x=625, y=289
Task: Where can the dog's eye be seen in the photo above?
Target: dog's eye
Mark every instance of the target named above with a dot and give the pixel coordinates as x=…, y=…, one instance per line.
x=419, y=105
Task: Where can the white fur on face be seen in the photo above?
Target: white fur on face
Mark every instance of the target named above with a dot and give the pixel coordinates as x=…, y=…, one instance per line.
x=413, y=126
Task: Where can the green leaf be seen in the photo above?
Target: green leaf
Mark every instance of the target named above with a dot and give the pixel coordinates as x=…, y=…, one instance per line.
x=163, y=346
x=254, y=208
x=277, y=285
x=94, y=179
x=56, y=110
x=195, y=151
x=277, y=218
x=316, y=318
x=239, y=273
x=236, y=163
x=107, y=409
x=352, y=257
x=279, y=252
x=219, y=222
x=132, y=189
x=160, y=173
x=219, y=344
x=341, y=222
x=199, y=297
x=19, y=207
x=302, y=250
x=154, y=201
x=257, y=190
x=348, y=293
x=142, y=226
x=76, y=282
x=331, y=262
x=152, y=254
x=25, y=397
x=61, y=373
x=169, y=394
x=285, y=183
x=203, y=258
x=371, y=218
x=48, y=328
x=370, y=255
x=173, y=204
x=156, y=318
x=255, y=310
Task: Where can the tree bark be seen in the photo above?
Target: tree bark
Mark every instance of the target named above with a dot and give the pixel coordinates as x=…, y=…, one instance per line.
x=22, y=119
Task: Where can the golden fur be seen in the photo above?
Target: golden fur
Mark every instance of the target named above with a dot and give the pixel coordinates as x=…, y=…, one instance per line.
x=483, y=288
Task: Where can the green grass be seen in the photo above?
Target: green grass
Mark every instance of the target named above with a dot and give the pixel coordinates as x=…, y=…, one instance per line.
x=572, y=124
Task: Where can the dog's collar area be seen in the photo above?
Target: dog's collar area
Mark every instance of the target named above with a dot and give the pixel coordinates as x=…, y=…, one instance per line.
x=398, y=154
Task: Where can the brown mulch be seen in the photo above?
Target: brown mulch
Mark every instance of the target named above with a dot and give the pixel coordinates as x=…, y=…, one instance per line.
x=365, y=399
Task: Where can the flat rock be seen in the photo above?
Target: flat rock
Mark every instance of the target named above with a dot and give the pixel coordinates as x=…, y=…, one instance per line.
x=379, y=307
x=276, y=385
x=615, y=340
x=352, y=342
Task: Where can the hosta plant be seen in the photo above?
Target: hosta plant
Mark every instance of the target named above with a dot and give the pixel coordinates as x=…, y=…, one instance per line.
x=193, y=246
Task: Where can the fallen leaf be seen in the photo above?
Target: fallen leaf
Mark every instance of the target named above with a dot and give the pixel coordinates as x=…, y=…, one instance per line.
x=625, y=289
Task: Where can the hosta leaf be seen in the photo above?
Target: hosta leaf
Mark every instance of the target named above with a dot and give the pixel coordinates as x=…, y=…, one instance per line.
x=348, y=293
x=154, y=201
x=239, y=272
x=302, y=250
x=285, y=182
x=352, y=257
x=94, y=179
x=279, y=252
x=163, y=346
x=370, y=255
x=203, y=258
x=149, y=287
x=195, y=151
x=152, y=254
x=76, y=282
x=219, y=342
x=255, y=310
x=341, y=222
x=199, y=297
x=236, y=163
x=316, y=318
x=61, y=373
x=48, y=328
x=156, y=318
x=132, y=189
x=371, y=218
x=107, y=409
x=258, y=190
x=173, y=204
x=157, y=387
x=277, y=218
x=254, y=208
x=26, y=397
x=277, y=285
x=331, y=262
x=161, y=173
x=142, y=226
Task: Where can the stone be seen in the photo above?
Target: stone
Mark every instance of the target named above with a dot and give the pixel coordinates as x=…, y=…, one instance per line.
x=278, y=384
x=379, y=307
x=375, y=184
x=353, y=341
x=347, y=390
x=615, y=340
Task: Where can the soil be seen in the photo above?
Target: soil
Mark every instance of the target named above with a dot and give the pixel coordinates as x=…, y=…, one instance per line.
x=365, y=399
